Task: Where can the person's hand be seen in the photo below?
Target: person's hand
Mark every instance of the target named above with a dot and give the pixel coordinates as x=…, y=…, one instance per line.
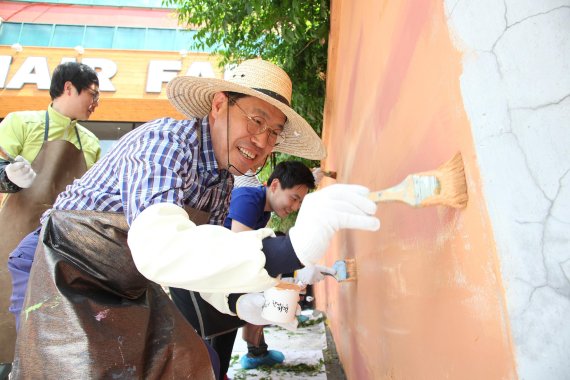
x=20, y=172
x=249, y=307
x=312, y=274
x=326, y=211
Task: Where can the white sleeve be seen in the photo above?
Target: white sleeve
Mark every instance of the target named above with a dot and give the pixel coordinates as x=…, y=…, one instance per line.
x=171, y=250
x=219, y=301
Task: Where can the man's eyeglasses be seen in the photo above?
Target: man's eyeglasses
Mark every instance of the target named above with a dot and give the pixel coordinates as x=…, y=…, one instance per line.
x=94, y=94
x=257, y=125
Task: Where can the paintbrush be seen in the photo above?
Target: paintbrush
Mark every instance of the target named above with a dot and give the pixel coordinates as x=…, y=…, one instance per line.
x=444, y=186
x=5, y=155
x=345, y=270
x=329, y=173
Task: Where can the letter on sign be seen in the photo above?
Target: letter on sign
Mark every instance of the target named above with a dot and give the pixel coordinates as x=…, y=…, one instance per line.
x=106, y=69
x=5, y=61
x=160, y=72
x=201, y=69
x=33, y=70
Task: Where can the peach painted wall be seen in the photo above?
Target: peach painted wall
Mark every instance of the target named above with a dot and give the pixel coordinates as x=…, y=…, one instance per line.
x=428, y=302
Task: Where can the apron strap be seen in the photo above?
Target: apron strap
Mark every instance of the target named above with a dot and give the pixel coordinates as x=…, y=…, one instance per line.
x=46, y=128
x=78, y=139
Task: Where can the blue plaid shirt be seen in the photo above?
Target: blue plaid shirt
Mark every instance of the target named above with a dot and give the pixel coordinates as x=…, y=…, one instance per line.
x=162, y=161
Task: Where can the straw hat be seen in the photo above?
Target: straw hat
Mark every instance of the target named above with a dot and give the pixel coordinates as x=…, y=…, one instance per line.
x=193, y=96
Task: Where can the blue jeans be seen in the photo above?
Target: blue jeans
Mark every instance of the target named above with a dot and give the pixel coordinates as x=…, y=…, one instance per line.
x=20, y=265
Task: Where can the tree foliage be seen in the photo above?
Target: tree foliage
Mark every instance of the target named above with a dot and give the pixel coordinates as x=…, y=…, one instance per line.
x=290, y=33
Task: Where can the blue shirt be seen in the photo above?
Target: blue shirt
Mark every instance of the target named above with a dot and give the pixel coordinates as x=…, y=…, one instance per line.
x=247, y=207
x=162, y=161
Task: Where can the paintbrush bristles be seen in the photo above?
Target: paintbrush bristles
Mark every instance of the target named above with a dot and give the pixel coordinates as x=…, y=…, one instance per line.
x=453, y=186
x=350, y=269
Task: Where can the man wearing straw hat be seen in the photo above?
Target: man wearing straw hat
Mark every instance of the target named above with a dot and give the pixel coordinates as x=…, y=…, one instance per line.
x=149, y=214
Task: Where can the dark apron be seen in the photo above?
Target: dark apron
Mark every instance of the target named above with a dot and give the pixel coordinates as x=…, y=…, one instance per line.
x=57, y=164
x=90, y=314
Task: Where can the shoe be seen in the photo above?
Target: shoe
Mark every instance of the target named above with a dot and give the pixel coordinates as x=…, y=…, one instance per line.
x=5, y=369
x=271, y=358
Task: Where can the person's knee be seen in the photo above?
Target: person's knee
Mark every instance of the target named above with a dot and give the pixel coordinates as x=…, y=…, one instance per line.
x=22, y=257
x=19, y=262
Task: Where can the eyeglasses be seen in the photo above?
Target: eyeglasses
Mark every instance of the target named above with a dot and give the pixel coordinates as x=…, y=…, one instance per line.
x=94, y=94
x=257, y=125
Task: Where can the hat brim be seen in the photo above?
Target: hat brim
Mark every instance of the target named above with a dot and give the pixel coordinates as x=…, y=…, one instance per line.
x=192, y=96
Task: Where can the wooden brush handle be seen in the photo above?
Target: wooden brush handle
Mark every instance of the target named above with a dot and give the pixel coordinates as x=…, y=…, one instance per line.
x=329, y=173
x=403, y=192
x=413, y=190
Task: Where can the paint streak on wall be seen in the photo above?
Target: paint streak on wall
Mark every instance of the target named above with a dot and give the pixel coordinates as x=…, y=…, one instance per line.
x=428, y=302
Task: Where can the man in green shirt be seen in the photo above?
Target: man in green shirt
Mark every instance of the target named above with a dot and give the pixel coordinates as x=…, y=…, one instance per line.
x=51, y=149
x=23, y=133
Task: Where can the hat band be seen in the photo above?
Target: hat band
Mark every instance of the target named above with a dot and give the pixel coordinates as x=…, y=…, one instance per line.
x=274, y=95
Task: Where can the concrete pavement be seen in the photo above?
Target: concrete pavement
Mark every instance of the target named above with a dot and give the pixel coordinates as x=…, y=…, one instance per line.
x=307, y=353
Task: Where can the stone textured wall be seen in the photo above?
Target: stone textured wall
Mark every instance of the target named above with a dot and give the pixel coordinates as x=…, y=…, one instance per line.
x=516, y=92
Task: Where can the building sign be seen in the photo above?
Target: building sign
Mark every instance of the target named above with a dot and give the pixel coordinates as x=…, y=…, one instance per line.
x=35, y=70
x=132, y=82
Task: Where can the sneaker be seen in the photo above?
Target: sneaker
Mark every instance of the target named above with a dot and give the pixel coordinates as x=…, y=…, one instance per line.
x=5, y=369
x=271, y=358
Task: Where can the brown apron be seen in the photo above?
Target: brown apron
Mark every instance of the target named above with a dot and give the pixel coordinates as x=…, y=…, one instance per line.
x=57, y=164
x=90, y=314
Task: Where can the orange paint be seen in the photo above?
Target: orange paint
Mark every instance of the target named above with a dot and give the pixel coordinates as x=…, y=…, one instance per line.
x=428, y=302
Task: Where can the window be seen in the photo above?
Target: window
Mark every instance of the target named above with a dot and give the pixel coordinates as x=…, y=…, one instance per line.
x=100, y=37
x=129, y=38
x=36, y=34
x=160, y=39
x=67, y=35
x=10, y=33
x=184, y=39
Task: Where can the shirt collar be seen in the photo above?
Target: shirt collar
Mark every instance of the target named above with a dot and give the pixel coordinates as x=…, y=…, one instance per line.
x=207, y=157
x=208, y=163
x=60, y=119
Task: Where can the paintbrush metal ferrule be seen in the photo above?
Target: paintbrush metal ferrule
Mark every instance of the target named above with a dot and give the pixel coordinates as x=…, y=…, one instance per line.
x=413, y=190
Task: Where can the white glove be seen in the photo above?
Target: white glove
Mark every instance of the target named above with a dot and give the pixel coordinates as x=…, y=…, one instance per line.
x=312, y=274
x=326, y=211
x=249, y=306
x=20, y=172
